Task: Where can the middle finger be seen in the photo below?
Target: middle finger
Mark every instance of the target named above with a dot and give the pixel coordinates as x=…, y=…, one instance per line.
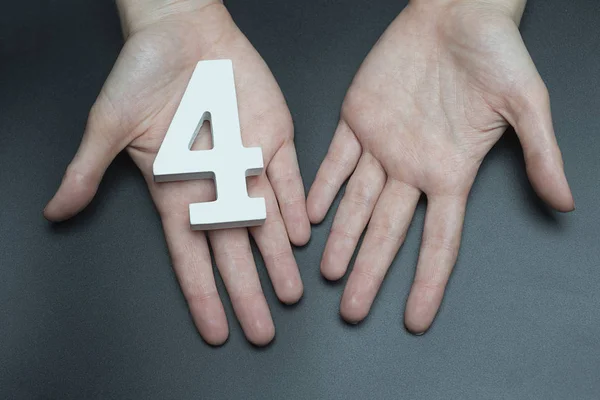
x=231, y=248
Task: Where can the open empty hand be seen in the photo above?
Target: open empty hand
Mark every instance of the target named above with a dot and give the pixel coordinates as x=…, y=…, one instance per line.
x=134, y=110
x=436, y=92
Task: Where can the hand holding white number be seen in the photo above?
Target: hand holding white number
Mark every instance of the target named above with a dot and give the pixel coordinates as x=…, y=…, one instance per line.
x=436, y=92
x=211, y=94
x=134, y=111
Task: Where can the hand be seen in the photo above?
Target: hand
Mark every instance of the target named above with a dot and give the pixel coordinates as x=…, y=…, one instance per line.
x=134, y=110
x=434, y=95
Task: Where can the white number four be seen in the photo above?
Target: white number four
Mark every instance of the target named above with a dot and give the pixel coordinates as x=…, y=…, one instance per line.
x=210, y=95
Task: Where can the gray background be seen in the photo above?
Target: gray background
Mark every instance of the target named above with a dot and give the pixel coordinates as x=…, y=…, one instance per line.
x=90, y=309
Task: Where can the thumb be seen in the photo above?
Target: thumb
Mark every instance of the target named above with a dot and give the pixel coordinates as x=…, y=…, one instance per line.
x=103, y=139
x=530, y=115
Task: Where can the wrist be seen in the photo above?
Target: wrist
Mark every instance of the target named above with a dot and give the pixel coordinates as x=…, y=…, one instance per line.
x=137, y=14
x=512, y=8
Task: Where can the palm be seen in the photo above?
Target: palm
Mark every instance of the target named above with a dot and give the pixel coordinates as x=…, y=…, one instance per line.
x=172, y=54
x=426, y=106
x=153, y=70
x=446, y=90
x=134, y=110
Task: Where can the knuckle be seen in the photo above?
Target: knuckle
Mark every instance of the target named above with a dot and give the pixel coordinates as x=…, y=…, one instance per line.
x=75, y=175
x=246, y=295
x=343, y=234
x=440, y=243
x=361, y=192
x=277, y=258
x=236, y=255
x=450, y=177
x=339, y=159
x=386, y=234
x=328, y=181
x=292, y=201
x=359, y=198
x=286, y=178
x=103, y=123
x=199, y=296
x=429, y=285
x=103, y=111
x=229, y=251
x=173, y=215
x=370, y=274
x=85, y=183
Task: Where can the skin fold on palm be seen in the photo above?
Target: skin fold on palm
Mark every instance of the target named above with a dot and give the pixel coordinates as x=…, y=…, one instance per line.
x=435, y=94
x=133, y=112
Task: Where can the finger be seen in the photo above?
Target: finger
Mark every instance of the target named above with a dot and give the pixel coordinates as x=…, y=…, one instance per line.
x=189, y=251
x=340, y=161
x=284, y=175
x=274, y=245
x=531, y=117
x=231, y=248
x=103, y=139
x=193, y=267
x=352, y=216
x=385, y=234
x=439, y=250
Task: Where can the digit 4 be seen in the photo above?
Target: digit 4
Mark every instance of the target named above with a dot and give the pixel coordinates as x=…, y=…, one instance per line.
x=211, y=96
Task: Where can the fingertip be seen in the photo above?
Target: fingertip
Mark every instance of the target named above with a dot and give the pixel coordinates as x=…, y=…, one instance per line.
x=532, y=118
x=416, y=327
x=550, y=183
x=261, y=334
x=56, y=212
x=337, y=254
x=421, y=308
x=316, y=217
x=49, y=212
x=352, y=309
x=332, y=274
x=291, y=292
x=216, y=338
x=331, y=268
x=565, y=205
x=360, y=292
x=255, y=319
x=352, y=318
x=316, y=212
x=73, y=195
x=300, y=231
x=560, y=198
x=301, y=238
x=209, y=317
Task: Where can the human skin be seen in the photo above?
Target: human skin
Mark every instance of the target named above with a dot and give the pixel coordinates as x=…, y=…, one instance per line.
x=164, y=41
x=434, y=95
